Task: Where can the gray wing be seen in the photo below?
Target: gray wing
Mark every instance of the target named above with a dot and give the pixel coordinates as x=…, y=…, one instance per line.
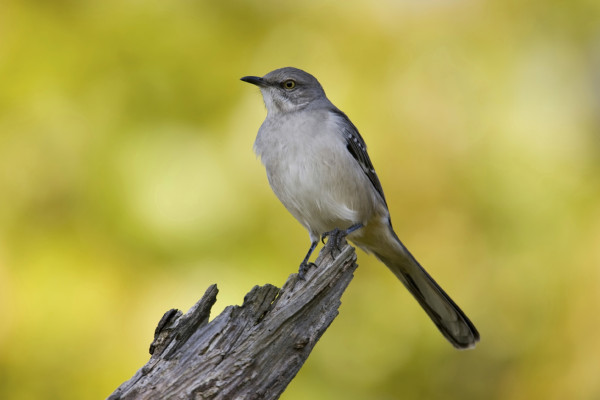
x=357, y=147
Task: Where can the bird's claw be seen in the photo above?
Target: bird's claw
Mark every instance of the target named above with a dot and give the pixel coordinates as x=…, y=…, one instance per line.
x=337, y=235
x=335, y=238
x=325, y=235
x=304, y=267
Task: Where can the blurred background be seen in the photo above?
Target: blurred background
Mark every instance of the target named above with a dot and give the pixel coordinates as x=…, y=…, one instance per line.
x=128, y=185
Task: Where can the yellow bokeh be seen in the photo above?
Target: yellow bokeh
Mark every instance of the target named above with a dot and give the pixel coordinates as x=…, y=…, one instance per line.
x=128, y=185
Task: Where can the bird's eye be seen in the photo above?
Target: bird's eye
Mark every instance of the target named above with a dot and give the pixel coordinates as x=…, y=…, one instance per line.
x=289, y=84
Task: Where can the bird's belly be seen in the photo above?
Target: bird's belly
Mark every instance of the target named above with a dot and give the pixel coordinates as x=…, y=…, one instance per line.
x=320, y=196
x=314, y=175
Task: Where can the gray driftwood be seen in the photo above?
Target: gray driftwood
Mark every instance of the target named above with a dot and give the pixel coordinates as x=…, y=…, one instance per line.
x=250, y=351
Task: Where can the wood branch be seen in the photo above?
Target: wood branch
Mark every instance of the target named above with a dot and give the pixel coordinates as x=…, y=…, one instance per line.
x=250, y=351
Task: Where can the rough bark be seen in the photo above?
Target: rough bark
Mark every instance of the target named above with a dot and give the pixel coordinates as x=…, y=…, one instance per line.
x=250, y=351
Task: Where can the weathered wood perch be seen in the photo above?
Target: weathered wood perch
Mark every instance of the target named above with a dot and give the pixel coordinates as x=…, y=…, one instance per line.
x=250, y=351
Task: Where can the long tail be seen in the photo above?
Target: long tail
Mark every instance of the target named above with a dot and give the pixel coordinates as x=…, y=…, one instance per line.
x=443, y=311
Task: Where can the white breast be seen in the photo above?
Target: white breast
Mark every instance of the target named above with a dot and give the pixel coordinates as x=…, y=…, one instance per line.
x=312, y=173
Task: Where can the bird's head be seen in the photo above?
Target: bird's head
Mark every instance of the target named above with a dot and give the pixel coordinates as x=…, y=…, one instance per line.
x=287, y=89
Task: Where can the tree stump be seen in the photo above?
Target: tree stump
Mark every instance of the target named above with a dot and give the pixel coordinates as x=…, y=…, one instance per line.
x=251, y=351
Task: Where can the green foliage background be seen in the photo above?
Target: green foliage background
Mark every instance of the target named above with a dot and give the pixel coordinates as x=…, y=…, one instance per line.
x=128, y=185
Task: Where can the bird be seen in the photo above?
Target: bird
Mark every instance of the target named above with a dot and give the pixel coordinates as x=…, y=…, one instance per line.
x=318, y=167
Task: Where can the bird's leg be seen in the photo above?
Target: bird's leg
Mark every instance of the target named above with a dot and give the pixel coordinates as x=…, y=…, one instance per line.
x=335, y=236
x=305, y=265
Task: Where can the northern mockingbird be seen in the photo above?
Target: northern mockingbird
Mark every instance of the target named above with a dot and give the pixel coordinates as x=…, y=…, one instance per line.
x=318, y=166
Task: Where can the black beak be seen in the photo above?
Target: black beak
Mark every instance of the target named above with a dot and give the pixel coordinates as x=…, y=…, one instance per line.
x=255, y=80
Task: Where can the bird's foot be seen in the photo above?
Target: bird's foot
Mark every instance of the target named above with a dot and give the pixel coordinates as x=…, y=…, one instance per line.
x=333, y=237
x=337, y=235
x=304, y=267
